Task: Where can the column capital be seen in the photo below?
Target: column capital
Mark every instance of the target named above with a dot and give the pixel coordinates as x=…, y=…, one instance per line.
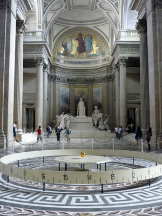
x=117, y=66
x=39, y=61
x=123, y=61
x=21, y=27
x=89, y=80
x=72, y=81
x=45, y=67
x=4, y=5
x=158, y=4
x=141, y=26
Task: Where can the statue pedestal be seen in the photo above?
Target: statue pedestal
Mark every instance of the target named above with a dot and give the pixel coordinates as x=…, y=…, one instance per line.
x=81, y=119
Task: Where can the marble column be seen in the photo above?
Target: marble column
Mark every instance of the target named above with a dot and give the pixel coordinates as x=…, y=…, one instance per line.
x=123, y=93
x=141, y=27
x=72, y=96
x=90, y=96
x=158, y=6
x=54, y=99
x=20, y=29
x=111, y=100
x=9, y=69
x=45, y=78
x=117, y=92
x=108, y=95
x=3, y=26
x=51, y=100
x=39, y=93
x=153, y=69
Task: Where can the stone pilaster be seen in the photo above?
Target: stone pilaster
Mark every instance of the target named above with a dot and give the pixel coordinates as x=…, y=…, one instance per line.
x=3, y=29
x=153, y=70
x=90, y=96
x=141, y=27
x=72, y=96
x=107, y=92
x=117, y=92
x=45, y=97
x=20, y=30
x=123, y=93
x=158, y=7
x=39, y=93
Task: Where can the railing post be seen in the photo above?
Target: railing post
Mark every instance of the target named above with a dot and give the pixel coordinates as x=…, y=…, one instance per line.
x=113, y=143
x=141, y=145
x=92, y=142
x=42, y=144
x=63, y=142
x=13, y=145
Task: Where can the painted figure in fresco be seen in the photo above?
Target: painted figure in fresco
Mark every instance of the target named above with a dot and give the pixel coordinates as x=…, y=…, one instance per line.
x=88, y=44
x=70, y=44
x=81, y=44
x=65, y=52
x=98, y=50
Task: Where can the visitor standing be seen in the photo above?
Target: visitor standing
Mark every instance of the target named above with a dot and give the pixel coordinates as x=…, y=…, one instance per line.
x=138, y=135
x=39, y=134
x=68, y=133
x=148, y=137
x=121, y=132
x=58, y=131
x=48, y=131
x=116, y=131
x=15, y=130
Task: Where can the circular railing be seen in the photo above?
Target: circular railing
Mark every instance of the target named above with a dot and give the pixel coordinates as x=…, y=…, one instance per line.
x=82, y=177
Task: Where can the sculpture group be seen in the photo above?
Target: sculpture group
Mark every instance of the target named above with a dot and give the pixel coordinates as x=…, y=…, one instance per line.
x=63, y=121
x=100, y=120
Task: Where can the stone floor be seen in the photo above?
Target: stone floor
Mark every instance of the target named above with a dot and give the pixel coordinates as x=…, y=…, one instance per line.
x=27, y=198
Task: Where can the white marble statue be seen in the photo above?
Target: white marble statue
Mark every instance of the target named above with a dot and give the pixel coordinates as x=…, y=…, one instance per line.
x=101, y=125
x=81, y=108
x=63, y=121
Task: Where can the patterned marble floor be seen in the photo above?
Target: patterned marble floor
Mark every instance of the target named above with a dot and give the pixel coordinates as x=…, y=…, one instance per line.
x=27, y=198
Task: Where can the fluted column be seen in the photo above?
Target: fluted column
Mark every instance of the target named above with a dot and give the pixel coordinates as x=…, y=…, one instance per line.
x=153, y=69
x=111, y=78
x=51, y=100
x=123, y=93
x=3, y=25
x=159, y=51
x=45, y=98
x=141, y=27
x=72, y=96
x=55, y=92
x=117, y=92
x=39, y=93
x=90, y=96
x=20, y=29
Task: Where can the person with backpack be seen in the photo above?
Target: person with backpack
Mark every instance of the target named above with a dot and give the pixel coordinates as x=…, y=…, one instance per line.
x=148, y=137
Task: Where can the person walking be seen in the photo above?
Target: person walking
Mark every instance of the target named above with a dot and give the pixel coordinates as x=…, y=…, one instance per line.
x=15, y=130
x=68, y=133
x=39, y=134
x=58, y=131
x=138, y=135
x=148, y=137
x=121, y=132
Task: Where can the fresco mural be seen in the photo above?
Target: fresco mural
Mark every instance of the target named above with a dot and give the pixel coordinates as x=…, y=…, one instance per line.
x=81, y=45
x=97, y=97
x=81, y=92
x=64, y=99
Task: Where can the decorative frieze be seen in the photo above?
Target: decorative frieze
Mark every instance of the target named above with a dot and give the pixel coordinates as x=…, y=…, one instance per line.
x=72, y=81
x=89, y=80
x=21, y=27
x=141, y=26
